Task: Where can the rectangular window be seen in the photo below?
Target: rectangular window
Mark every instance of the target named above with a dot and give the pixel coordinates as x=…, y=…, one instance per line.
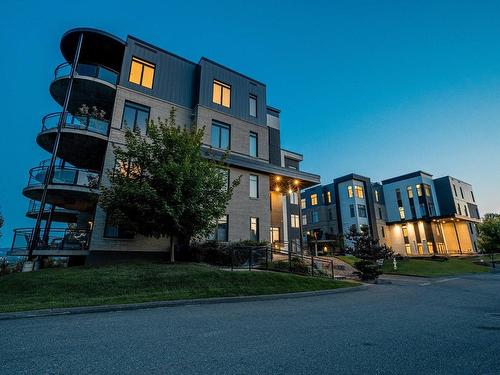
x=377, y=197
x=427, y=189
x=419, y=190
x=359, y=191
x=328, y=197
x=465, y=210
x=221, y=231
x=409, y=191
x=382, y=231
x=254, y=228
x=459, y=210
x=294, y=221
x=274, y=234
x=221, y=94
x=254, y=186
x=221, y=136
x=404, y=228
x=135, y=117
x=461, y=192
x=361, y=210
x=252, y=102
x=142, y=73
x=349, y=192
x=315, y=217
x=430, y=247
x=304, y=219
x=380, y=216
x=472, y=196
x=314, y=199
x=253, y=144
x=455, y=190
x=353, y=212
x=402, y=213
x=303, y=203
x=114, y=231
x=294, y=198
x=408, y=249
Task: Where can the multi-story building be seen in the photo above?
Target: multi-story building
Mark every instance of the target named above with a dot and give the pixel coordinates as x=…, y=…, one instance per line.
x=129, y=82
x=414, y=214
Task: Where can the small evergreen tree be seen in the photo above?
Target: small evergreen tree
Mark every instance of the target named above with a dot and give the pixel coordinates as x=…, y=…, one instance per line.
x=489, y=235
x=164, y=186
x=368, y=250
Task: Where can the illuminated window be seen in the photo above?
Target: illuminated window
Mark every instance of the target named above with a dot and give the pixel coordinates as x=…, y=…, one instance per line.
x=420, y=248
x=252, y=102
x=377, y=198
x=142, y=73
x=430, y=247
x=427, y=189
x=303, y=203
x=359, y=191
x=294, y=221
x=254, y=186
x=220, y=137
x=401, y=213
x=254, y=228
x=314, y=199
x=404, y=228
x=294, y=198
x=274, y=234
x=222, y=94
x=349, y=192
x=408, y=249
x=328, y=197
x=253, y=144
x=409, y=191
x=419, y=190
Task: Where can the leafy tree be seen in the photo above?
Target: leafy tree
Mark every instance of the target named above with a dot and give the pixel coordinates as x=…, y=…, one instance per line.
x=368, y=250
x=489, y=235
x=163, y=186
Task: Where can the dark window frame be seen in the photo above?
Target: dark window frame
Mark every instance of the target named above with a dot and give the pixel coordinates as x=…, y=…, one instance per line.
x=257, y=229
x=137, y=107
x=223, y=86
x=221, y=125
x=142, y=62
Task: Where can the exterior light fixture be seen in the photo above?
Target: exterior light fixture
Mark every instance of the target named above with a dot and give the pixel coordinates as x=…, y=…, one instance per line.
x=295, y=182
x=277, y=188
x=290, y=191
x=278, y=178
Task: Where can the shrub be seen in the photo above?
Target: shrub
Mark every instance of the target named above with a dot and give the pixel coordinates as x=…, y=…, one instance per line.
x=367, y=270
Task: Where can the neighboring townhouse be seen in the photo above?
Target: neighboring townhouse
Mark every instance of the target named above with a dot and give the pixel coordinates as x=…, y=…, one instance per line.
x=414, y=214
x=130, y=82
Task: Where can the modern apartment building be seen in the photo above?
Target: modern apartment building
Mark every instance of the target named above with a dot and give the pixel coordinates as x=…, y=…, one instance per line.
x=107, y=85
x=414, y=214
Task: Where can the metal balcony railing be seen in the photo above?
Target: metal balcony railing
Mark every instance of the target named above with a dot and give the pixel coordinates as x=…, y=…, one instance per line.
x=88, y=70
x=64, y=176
x=88, y=123
x=55, y=239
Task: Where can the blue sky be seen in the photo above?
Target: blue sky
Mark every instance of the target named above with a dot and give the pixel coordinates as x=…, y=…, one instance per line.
x=375, y=87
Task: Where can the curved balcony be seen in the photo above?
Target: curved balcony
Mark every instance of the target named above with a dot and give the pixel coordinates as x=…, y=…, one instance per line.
x=70, y=188
x=83, y=139
x=57, y=242
x=94, y=85
x=59, y=214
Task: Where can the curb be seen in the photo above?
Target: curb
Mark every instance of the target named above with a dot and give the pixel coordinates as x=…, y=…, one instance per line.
x=174, y=303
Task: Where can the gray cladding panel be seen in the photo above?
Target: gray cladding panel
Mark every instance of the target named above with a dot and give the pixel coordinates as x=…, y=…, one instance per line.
x=241, y=88
x=175, y=79
x=274, y=146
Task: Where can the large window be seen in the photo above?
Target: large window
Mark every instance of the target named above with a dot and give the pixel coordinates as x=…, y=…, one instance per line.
x=294, y=221
x=361, y=210
x=294, y=198
x=254, y=186
x=142, y=73
x=221, y=231
x=253, y=146
x=314, y=199
x=135, y=117
x=359, y=191
x=115, y=231
x=222, y=94
x=349, y=192
x=221, y=136
x=252, y=102
x=254, y=228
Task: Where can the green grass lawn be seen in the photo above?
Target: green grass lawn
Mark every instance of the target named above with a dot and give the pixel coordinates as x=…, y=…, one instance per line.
x=434, y=268
x=349, y=259
x=144, y=282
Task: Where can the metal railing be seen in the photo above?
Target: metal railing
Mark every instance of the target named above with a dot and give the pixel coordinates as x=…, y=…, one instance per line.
x=55, y=239
x=88, y=70
x=91, y=124
x=64, y=176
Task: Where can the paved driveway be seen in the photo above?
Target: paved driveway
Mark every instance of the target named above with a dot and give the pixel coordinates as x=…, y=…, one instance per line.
x=412, y=326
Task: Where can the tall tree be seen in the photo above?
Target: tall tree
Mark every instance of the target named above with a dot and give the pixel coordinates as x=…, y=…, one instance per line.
x=489, y=235
x=366, y=248
x=164, y=186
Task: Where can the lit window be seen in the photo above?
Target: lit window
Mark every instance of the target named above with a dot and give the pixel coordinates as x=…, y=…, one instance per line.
x=377, y=198
x=314, y=199
x=353, y=212
x=349, y=192
x=294, y=198
x=359, y=191
x=408, y=249
x=405, y=230
x=294, y=221
x=220, y=136
x=222, y=94
x=328, y=197
x=430, y=247
x=303, y=203
x=254, y=229
x=253, y=144
x=135, y=117
x=315, y=217
x=361, y=210
x=401, y=213
x=142, y=73
x=254, y=186
x=409, y=191
x=275, y=234
x=419, y=190
x=252, y=101
x=304, y=219
x=427, y=189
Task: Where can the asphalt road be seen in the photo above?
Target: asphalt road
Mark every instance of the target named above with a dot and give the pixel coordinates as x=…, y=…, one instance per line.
x=412, y=326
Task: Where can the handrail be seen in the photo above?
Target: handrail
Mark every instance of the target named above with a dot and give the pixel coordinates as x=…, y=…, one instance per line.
x=81, y=122
x=53, y=239
x=65, y=176
x=88, y=70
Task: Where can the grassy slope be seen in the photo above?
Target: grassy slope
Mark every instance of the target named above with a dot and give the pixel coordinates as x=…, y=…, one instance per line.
x=427, y=267
x=142, y=282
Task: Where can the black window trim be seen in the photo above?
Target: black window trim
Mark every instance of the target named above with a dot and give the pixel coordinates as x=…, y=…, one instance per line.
x=137, y=107
x=143, y=62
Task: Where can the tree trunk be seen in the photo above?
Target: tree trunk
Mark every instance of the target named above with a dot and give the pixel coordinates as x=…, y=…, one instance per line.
x=172, y=250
